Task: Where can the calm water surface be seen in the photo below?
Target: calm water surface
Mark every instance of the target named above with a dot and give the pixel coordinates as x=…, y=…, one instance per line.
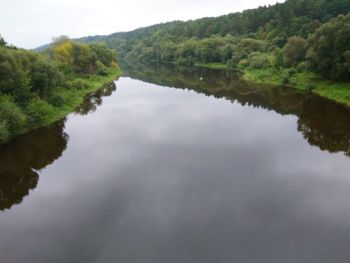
x=171, y=168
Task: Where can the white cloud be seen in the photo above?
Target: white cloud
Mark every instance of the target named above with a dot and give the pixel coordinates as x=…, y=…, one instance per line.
x=30, y=23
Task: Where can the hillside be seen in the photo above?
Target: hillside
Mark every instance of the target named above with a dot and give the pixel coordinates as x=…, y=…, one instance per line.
x=271, y=23
x=300, y=43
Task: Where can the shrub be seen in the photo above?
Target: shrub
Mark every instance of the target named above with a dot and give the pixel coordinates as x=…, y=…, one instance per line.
x=230, y=63
x=75, y=84
x=44, y=75
x=4, y=134
x=101, y=69
x=39, y=111
x=277, y=59
x=243, y=63
x=55, y=100
x=12, y=115
x=295, y=50
x=259, y=60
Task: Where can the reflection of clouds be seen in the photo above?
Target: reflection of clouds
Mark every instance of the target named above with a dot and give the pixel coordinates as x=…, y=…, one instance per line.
x=175, y=183
x=323, y=123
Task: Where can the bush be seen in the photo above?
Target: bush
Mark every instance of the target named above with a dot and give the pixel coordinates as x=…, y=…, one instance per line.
x=12, y=115
x=185, y=61
x=101, y=69
x=277, y=59
x=230, y=63
x=76, y=84
x=244, y=63
x=105, y=55
x=44, y=75
x=55, y=100
x=2, y=41
x=4, y=134
x=79, y=58
x=295, y=50
x=39, y=111
x=259, y=60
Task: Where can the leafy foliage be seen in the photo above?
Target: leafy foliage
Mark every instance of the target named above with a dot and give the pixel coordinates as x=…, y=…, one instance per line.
x=295, y=51
x=11, y=115
x=80, y=58
x=329, y=52
x=2, y=41
x=29, y=81
x=39, y=111
x=270, y=36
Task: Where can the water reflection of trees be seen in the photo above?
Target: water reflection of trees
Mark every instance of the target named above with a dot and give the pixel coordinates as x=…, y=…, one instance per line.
x=22, y=158
x=323, y=123
x=326, y=125
x=92, y=101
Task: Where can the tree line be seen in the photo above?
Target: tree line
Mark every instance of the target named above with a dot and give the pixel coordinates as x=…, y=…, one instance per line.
x=32, y=84
x=304, y=35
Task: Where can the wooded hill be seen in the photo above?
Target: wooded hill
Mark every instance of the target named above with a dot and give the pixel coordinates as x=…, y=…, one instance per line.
x=306, y=35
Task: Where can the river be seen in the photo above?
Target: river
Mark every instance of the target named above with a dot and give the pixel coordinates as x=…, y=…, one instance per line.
x=181, y=165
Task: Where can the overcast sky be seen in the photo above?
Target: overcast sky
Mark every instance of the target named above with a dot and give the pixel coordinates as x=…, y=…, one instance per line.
x=31, y=23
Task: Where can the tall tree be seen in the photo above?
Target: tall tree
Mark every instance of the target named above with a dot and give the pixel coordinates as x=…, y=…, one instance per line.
x=329, y=52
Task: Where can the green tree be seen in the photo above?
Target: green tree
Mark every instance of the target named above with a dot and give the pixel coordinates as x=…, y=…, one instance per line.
x=14, y=77
x=295, y=50
x=2, y=41
x=329, y=49
x=12, y=115
x=277, y=58
x=103, y=54
x=44, y=76
x=39, y=111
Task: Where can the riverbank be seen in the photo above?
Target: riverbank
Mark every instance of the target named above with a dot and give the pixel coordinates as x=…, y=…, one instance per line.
x=75, y=96
x=69, y=99
x=304, y=81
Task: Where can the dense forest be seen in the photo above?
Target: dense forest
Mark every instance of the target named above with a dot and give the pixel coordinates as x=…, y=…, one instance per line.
x=302, y=35
x=38, y=88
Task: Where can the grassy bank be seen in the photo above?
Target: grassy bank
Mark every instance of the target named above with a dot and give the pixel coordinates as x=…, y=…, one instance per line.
x=335, y=91
x=70, y=99
x=73, y=97
x=212, y=65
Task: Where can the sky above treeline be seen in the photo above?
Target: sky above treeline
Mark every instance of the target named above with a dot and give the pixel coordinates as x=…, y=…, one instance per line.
x=31, y=23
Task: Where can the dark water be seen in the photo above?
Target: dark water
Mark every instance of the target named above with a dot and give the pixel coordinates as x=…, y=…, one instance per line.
x=211, y=170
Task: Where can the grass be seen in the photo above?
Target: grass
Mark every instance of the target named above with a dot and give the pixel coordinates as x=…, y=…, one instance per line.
x=304, y=81
x=211, y=65
x=74, y=97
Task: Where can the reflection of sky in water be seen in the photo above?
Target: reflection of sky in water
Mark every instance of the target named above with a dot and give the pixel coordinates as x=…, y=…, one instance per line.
x=165, y=175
